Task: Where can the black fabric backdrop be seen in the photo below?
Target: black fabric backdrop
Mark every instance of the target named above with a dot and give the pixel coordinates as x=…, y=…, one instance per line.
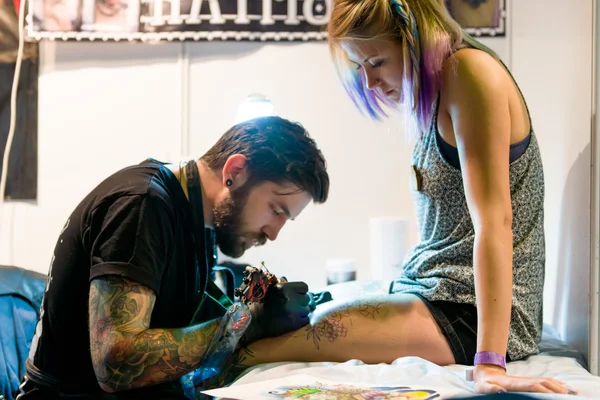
x=23, y=161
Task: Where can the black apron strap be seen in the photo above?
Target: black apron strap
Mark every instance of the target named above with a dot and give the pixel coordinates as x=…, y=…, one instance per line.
x=214, y=303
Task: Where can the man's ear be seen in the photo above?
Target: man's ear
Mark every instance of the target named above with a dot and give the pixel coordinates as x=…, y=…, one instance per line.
x=235, y=172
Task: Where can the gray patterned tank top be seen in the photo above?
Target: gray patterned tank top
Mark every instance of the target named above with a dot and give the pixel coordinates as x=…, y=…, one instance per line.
x=440, y=267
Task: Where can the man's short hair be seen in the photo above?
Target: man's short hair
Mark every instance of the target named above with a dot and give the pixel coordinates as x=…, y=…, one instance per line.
x=277, y=150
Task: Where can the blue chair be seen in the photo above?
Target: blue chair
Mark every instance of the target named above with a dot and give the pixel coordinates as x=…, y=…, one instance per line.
x=21, y=294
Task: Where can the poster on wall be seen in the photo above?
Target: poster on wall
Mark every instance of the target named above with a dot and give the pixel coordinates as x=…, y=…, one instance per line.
x=265, y=20
x=479, y=17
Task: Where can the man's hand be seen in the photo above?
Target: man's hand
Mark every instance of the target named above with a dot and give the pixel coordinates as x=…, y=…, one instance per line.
x=285, y=307
x=493, y=379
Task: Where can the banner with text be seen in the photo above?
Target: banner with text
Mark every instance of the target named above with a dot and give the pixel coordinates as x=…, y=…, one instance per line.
x=178, y=19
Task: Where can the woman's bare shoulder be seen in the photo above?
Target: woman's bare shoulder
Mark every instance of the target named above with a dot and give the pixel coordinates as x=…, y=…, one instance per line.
x=470, y=73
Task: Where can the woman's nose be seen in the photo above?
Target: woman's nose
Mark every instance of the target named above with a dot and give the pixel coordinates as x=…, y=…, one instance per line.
x=372, y=80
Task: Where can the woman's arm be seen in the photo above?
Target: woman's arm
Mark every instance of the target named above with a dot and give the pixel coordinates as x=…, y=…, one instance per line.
x=476, y=99
x=478, y=108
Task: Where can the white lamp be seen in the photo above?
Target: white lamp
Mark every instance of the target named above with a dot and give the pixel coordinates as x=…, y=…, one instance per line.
x=255, y=105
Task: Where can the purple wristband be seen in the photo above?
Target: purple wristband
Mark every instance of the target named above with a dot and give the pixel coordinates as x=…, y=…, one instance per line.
x=490, y=358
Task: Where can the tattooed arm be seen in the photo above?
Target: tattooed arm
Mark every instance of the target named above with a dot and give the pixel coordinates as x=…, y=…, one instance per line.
x=126, y=354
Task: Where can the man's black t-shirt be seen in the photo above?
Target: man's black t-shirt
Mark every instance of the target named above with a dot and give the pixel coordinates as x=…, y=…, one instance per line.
x=135, y=224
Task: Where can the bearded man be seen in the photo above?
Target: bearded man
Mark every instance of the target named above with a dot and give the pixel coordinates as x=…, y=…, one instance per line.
x=129, y=306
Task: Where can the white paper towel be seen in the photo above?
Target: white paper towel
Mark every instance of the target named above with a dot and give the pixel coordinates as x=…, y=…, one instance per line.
x=388, y=245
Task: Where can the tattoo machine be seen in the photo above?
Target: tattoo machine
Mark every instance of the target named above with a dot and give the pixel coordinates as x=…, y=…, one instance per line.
x=256, y=283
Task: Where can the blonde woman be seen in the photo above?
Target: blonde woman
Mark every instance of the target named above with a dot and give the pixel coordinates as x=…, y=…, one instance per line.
x=471, y=290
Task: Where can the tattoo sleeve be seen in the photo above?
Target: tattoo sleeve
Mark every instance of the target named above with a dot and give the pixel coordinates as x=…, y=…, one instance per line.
x=126, y=354
x=231, y=368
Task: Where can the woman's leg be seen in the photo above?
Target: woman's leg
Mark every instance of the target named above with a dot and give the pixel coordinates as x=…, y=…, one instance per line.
x=374, y=330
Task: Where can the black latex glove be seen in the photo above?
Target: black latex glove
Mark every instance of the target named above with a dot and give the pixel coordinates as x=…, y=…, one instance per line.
x=316, y=298
x=319, y=298
x=286, y=307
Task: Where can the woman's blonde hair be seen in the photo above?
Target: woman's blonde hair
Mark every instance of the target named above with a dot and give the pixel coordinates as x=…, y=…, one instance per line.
x=428, y=35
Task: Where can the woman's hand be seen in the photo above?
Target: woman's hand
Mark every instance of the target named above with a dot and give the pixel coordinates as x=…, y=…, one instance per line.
x=493, y=379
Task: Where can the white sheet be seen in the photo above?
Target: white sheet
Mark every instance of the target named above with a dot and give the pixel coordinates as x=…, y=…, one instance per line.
x=412, y=372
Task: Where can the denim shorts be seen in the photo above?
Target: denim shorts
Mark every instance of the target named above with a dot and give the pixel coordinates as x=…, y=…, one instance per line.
x=458, y=322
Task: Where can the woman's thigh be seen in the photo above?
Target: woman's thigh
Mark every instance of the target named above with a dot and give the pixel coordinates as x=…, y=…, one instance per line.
x=372, y=329
x=384, y=328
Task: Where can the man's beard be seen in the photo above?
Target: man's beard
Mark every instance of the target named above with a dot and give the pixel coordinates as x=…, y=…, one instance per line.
x=228, y=223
